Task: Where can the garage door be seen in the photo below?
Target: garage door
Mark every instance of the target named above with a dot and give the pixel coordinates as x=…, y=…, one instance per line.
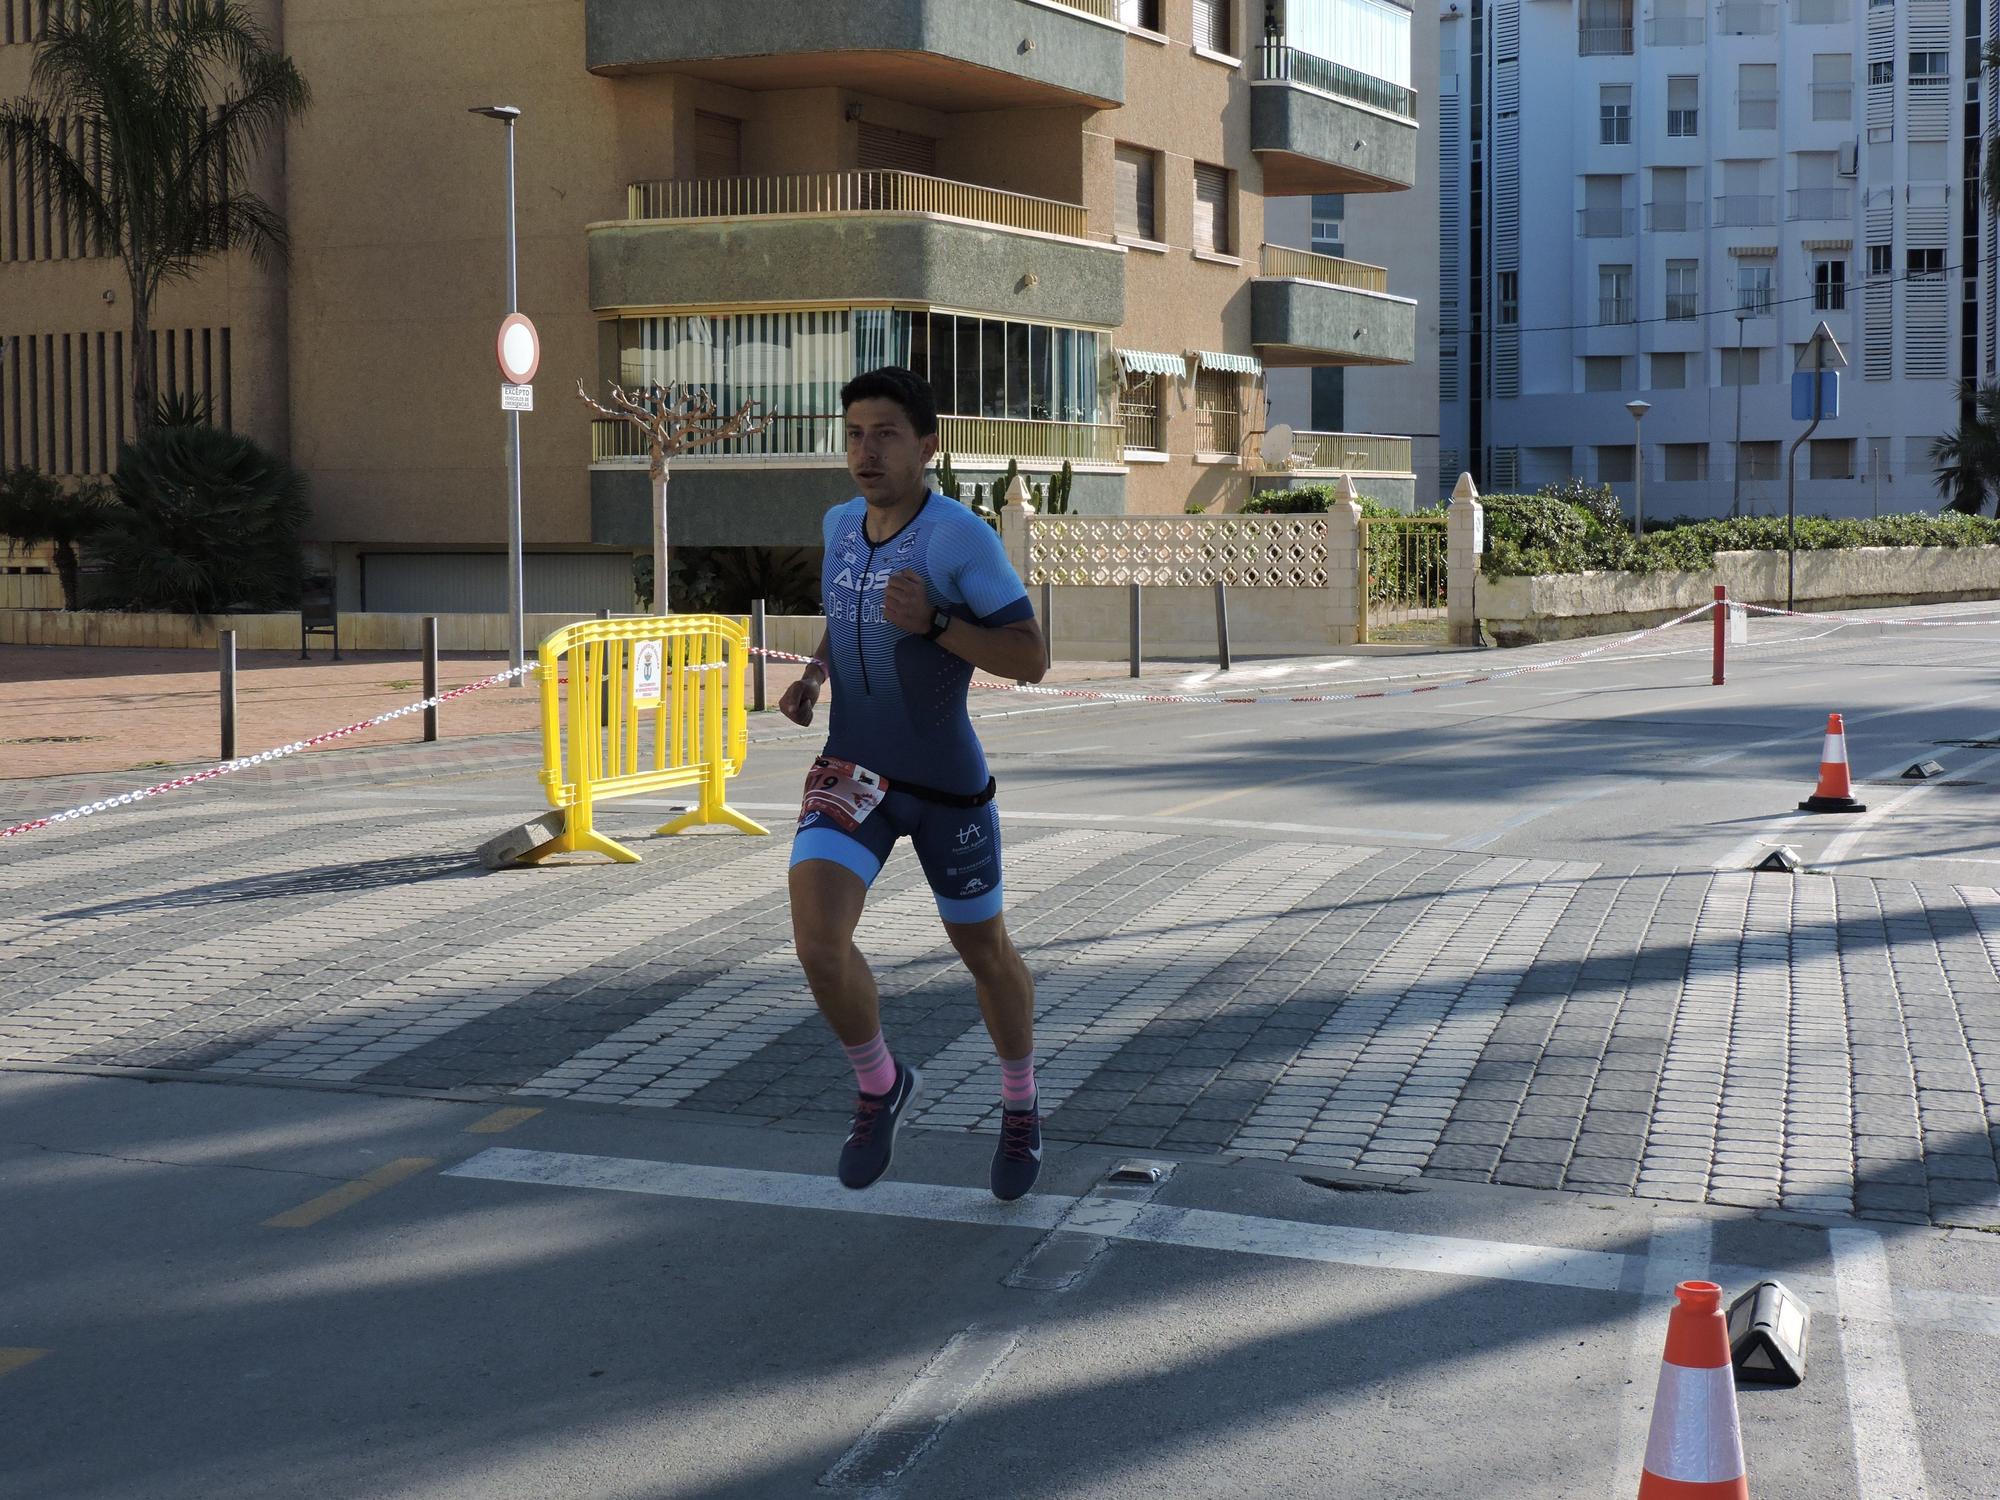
x=448, y=583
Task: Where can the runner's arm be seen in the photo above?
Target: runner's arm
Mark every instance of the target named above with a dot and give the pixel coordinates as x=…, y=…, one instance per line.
x=797, y=702
x=1014, y=650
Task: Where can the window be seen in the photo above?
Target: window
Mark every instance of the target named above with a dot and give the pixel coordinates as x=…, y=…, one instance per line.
x=1833, y=86
x=1756, y=96
x=1603, y=372
x=1684, y=460
x=1211, y=208
x=1212, y=27
x=1614, y=294
x=718, y=145
x=1683, y=101
x=1144, y=14
x=1683, y=290
x=1139, y=413
x=1328, y=210
x=1218, y=411
x=1614, y=463
x=1604, y=28
x=1829, y=283
x=1742, y=366
x=1830, y=458
x=1927, y=161
x=1926, y=263
x=1930, y=70
x=1138, y=200
x=1670, y=372
x=1614, y=114
x=1753, y=286
x=1881, y=73
x=1881, y=260
x=1670, y=212
x=1510, y=298
x=1757, y=460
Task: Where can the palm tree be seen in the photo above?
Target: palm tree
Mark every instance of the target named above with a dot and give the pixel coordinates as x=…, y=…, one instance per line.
x=142, y=118
x=1968, y=460
x=34, y=509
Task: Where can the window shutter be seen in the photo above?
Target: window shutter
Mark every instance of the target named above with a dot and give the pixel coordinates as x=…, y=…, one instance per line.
x=1135, y=216
x=886, y=150
x=718, y=145
x=1211, y=208
x=1211, y=26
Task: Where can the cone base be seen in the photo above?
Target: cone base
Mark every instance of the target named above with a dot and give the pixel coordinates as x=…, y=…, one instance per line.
x=1818, y=804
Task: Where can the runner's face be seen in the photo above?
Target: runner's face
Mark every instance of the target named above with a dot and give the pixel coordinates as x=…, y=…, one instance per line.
x=885, y=456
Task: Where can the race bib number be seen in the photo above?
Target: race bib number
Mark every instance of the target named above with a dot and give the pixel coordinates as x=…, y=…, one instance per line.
x=841, y=793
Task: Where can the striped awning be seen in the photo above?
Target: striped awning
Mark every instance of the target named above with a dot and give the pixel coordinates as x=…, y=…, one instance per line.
x=1146, y=362
x=1752, y=252
x=1827, y=245
x=1234, y=364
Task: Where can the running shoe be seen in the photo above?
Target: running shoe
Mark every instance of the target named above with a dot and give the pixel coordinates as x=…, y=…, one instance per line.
x=871, y=1139
x=1017, y=1160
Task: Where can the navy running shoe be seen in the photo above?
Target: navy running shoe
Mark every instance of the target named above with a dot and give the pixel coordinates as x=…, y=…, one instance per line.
x=871, y=1139
x=1017, y=1160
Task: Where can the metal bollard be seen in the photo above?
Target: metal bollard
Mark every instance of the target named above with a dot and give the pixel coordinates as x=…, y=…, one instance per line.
x=1048, y=624
x=430, y=677
x=1721, y=631
x=1221, y=626
x=1135, y=628
x=226, y=644
x=757, y=646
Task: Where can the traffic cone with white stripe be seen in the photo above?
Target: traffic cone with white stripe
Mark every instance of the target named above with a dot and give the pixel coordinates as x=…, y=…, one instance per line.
x=1695, y=1449
x=1836, y=792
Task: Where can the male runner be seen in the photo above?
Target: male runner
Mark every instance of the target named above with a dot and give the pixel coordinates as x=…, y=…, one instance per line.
x=918, y=591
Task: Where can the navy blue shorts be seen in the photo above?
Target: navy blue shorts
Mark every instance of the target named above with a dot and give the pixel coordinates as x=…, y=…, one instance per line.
x=959, y=848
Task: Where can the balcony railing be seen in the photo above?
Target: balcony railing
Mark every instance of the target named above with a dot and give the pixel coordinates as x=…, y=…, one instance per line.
x=1745, y=210
x=1830, y=297
x=1673, y=218
x=1351, y=452
x=1282, y=260
x=1217, y=429
x=1604, y=41
x=1818, y=203
x=850, y=193
x=1603, y=223
x=1281, y=62
x=1677, y=31
x=1683, y=307
x=613, y=440
x=1104, y=10
x=1756, y=110
x=1833, y=101
x=1746, y=18
x=1140, y=422
x=1611, y=311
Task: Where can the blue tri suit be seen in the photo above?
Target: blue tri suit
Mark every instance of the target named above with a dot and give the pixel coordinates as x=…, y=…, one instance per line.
x=899, y=700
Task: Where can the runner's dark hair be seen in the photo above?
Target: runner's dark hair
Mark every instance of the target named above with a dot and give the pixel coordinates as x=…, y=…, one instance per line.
x=906, y=388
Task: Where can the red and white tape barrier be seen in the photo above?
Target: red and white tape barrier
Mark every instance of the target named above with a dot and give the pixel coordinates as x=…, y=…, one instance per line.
x=1950, y=623
x=225, y=768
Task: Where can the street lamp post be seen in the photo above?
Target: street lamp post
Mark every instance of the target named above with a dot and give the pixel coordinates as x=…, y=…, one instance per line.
x=1638, y=410
x=517, y=630
x=1736, y=475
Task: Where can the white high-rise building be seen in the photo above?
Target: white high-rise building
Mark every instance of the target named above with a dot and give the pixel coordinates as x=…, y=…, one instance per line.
x=1661, y=201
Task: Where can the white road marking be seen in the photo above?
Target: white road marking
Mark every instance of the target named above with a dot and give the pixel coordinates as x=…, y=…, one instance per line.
x=1204, y=1229
x=1140, y=822
x=1887, y=1460
x=1679, y=1250
x=895, y=1440
x=1867, y=822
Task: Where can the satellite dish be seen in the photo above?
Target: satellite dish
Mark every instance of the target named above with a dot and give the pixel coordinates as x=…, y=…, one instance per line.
x=1276, y=448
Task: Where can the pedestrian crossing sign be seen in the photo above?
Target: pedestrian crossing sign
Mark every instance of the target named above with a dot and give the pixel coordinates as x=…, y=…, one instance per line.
x=647, y=659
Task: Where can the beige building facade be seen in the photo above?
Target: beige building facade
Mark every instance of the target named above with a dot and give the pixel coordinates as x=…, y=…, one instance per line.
x=1055, y=209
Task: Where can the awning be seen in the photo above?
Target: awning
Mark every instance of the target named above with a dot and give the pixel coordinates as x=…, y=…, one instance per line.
x=1146, y=362
x=1752, y=252
x=1828, y=245
x=1234, y=364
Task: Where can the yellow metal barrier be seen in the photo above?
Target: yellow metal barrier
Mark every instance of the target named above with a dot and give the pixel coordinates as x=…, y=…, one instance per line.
x=651, y=704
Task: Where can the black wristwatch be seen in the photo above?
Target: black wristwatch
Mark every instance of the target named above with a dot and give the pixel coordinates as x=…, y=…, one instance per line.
x=940, y=622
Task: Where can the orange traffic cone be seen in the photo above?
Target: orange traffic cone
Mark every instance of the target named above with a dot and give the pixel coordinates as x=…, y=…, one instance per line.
x=1836, y=792
x=1695, y=1449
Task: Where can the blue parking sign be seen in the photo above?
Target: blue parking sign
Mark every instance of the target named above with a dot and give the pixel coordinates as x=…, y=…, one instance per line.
x=1829, y=395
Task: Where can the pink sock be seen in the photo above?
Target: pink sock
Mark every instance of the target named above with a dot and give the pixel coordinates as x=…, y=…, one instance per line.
x=874, y=1068
x=1017, y=1082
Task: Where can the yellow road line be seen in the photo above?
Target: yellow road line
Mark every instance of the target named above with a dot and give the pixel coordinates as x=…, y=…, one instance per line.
x=502, y=1119
x=1319, y=774
x=13, y=1359
x=348, y=1193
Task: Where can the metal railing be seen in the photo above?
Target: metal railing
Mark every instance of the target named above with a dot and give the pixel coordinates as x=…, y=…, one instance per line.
x=1833, y=101
x=1741, y=210
x=1673, y=218
x=1830, y=297
x=1683, y=122
x=1140, y=422
x=1104, y=10
x=1756, y=111
x=614, y=440
x=1677, y=31
x=1603, y=223
x=850, y=193
x=1351, y=452
x=1026, y=437
x=1278, y=61
x=1683, y=307
x=1746, y=18
x=1282, y=260
x=1612, y=311
x=1217, y=429
x=1604, y=41
x=1818, y=203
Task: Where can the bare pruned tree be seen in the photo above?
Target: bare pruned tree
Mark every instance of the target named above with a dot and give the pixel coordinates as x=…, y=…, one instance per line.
x=676, y=419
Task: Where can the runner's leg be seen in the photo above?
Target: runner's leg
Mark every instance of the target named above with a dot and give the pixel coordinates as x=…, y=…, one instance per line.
x=826, y=907
x=1006, y=990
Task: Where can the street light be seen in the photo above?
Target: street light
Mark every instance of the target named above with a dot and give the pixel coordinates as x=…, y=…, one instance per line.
x=1736, y=477
x=517, y=630
x=1638, y=410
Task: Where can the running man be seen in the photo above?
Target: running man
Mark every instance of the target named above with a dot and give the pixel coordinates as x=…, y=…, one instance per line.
x=918, y=591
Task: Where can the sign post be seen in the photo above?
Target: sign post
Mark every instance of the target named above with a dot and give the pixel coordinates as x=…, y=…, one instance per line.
x=1819, y=388
x=518, y=349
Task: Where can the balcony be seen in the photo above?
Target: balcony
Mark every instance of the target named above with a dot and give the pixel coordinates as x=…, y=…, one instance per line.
x=1310, y=309
x=1614, y=312
x=1819, y=203
x=1604, y=41
x=940, y=54
x=1321, y=127
x=1673, y=218
x=846, y=236
x=1745, y=210
x=1746, y=18
x=1603, y=223
x=1350, y=453
x=1677, y=31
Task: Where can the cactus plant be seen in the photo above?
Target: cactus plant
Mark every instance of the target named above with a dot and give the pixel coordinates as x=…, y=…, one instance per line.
x=947, y=477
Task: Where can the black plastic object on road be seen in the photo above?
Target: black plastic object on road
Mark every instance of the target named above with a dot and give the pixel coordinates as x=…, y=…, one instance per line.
x=1767, y=1335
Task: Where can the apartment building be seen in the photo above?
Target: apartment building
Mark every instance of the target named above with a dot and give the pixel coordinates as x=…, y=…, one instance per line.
x=1686, y=191
x=1055, y=209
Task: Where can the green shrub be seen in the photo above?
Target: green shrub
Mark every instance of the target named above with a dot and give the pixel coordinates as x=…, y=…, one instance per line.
x=725, y=580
